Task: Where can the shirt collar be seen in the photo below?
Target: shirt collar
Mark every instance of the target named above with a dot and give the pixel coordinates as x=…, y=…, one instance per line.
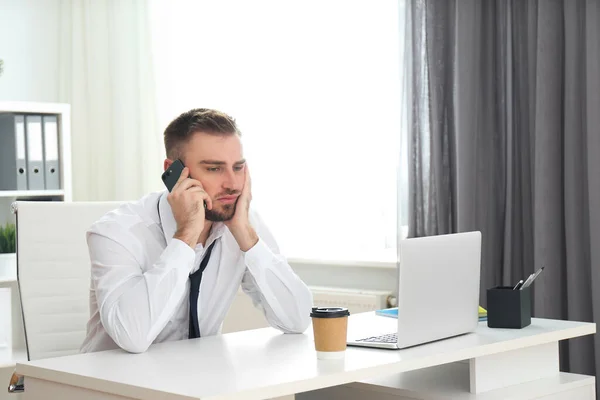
x=169, y=225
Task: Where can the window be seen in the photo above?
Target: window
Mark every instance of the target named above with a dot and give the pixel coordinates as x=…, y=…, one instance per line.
x=315, y=87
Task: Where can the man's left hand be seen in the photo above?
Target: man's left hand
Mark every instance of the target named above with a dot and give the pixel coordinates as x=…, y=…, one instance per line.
x=239, y=224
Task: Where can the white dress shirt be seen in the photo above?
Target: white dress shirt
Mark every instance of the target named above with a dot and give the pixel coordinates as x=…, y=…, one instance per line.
x=139, y=291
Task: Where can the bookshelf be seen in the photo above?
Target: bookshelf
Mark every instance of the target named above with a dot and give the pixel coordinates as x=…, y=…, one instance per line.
x=14, y=351
x=64, y=193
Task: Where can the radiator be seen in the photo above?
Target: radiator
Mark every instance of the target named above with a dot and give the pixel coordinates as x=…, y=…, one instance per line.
x=243, y=315
x=356, y=301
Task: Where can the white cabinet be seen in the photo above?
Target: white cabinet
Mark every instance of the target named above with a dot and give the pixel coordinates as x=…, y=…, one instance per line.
x=8, y=280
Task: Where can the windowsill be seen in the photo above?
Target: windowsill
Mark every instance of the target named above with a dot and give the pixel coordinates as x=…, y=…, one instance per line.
x=379, y=259
x=342, y=263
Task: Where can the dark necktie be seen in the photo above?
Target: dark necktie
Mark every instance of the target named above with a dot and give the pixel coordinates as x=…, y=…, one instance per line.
x=195, y=280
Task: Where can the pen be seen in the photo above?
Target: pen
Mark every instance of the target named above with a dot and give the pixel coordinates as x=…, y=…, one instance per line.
x=526, y=280
x=531, y=278
x=518, y=284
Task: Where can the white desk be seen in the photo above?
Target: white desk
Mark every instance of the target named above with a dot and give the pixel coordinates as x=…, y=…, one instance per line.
x=264, y=363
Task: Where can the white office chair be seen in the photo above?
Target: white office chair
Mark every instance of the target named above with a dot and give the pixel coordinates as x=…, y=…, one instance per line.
x=53, y=273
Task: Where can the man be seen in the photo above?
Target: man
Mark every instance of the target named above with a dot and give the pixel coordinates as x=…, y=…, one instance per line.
x=202, y=235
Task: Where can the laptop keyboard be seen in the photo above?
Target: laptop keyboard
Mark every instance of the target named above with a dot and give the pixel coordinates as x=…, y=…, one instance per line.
x=389, y=338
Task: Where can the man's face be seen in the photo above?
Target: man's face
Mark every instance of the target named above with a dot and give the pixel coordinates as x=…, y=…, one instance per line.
x=217, y=162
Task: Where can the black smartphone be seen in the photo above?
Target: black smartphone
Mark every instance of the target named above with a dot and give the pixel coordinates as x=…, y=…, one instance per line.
x=172, y=174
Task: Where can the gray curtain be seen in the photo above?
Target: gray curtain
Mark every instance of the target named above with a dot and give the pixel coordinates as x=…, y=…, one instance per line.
x=505, y=138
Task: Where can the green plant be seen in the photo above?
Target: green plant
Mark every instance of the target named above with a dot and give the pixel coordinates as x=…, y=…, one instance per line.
x=8, y=236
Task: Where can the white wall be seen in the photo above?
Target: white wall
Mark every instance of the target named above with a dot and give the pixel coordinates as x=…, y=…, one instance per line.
x=29, y=43
x=361, y=277
x=29, y=46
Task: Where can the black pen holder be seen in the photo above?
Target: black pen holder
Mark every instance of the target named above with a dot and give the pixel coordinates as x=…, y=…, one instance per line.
x=508, y=308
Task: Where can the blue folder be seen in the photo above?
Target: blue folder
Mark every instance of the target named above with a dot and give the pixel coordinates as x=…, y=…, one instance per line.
x=393, y=313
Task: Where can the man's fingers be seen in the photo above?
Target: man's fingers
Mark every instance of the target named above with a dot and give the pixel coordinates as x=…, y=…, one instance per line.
x=185, y=173
x=208, y=200
x=205, y=197
x=248, y=182
x=189, y=183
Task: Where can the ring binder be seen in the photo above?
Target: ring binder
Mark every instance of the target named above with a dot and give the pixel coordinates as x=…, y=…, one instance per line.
x=13, y=154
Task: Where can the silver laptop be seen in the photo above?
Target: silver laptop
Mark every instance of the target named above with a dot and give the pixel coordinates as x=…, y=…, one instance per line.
x=438, y=294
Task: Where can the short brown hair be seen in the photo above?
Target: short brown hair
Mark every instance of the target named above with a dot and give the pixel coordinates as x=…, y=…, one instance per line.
x=196, y=120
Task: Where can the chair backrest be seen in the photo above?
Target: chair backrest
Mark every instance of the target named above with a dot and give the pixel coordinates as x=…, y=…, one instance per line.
x=53, y=271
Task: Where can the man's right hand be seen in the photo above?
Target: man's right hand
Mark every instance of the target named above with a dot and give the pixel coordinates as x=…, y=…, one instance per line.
x=187, y=202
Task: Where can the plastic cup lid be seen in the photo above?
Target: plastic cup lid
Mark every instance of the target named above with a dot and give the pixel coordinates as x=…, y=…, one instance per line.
x=329, y=312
